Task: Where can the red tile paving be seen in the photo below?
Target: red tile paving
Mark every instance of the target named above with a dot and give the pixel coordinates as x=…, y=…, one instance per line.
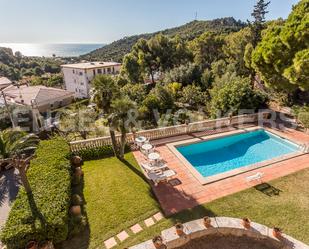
x=188, y=192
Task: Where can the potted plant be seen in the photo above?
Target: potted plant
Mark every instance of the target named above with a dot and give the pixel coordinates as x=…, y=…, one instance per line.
x=246, y=223
x=32, y=245
x=77, y=161
x=158, y=242
x=277, y=232
x=179, y=229
x=207, y=222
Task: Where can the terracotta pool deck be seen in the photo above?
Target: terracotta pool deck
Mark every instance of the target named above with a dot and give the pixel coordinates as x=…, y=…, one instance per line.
x=185, y=191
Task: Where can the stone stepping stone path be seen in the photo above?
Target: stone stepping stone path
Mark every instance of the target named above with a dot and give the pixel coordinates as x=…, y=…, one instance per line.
x=149, y=222
x=110, y=243
x=137, y=228
x=122, y=236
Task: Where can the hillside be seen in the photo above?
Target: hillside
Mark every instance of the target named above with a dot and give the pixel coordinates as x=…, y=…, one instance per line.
x=117, y=49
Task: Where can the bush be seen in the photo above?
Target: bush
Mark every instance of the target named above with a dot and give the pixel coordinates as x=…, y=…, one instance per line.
x=42, y=215
x=234, y=95
x=95, y=153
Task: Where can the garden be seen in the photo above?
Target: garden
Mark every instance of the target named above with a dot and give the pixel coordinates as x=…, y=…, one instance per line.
x=117, y=197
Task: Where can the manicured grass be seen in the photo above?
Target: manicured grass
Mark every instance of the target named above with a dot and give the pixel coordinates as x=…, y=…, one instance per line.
x=117, y=197
x=288, y=210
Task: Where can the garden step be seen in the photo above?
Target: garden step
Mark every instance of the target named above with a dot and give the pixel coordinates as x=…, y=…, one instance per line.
x=136, y=228
x=110, y=243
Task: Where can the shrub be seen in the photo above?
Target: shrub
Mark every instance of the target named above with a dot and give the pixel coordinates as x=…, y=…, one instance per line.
x=42, y=215
x=95, y=153
x=234, y=95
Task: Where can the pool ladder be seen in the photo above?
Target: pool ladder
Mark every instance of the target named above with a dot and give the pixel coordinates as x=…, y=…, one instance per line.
x=305, y=147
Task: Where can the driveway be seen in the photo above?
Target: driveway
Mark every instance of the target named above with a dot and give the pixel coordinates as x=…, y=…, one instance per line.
x=9, y=185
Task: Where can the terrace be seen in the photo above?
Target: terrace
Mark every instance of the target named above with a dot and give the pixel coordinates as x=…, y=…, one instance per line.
x=113, y=217
x=186, y=191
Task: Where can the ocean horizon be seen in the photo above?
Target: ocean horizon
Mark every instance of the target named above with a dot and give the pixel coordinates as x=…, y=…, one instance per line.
x=50, y=49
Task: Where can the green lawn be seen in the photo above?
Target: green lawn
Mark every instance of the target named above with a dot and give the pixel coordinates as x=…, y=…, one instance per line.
x=117, y=198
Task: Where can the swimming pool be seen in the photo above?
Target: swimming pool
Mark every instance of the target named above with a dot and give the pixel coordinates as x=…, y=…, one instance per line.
x=228, y=153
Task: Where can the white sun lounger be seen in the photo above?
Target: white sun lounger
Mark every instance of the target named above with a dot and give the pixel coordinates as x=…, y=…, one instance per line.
x=161, y=177
x=257, y=176
x=150, y=168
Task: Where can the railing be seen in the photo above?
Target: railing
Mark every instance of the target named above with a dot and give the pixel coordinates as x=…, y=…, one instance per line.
x=171, y=130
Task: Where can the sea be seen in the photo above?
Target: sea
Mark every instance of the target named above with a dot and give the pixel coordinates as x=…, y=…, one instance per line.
x=51, y=49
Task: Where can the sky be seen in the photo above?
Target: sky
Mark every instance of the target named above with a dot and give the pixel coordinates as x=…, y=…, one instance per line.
x=103, y=21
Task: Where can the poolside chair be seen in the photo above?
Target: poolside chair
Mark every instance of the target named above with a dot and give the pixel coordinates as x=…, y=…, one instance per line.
x=153, y=168
x=256, y=177
x=161, y=177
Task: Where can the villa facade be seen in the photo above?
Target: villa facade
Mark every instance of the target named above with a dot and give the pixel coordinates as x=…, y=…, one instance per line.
x=77, y=77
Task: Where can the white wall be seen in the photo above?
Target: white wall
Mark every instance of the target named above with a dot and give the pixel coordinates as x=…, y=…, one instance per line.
x=78, y=80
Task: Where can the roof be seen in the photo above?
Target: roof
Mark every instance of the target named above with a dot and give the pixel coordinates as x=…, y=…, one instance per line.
x=4, y=82
x=91, y=65
x=39, y=94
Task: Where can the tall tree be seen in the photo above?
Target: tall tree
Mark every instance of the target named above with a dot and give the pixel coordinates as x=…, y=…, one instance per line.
x=105, y=90
x=235, y=49
x=119, y=121
x=258, y=24
x=207, y=48
x=281, y=58
x=14, y=146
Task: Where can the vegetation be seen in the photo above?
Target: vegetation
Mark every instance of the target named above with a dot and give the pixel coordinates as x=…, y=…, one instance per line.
x=116, y=197
x=281, y=58
x=42, y=214
x=104, y=92
x=15, y=66
x=120, y=202
x=233, y=94
x=116, y=50
x=96, y=153
x=14, y=142
x=119, y=121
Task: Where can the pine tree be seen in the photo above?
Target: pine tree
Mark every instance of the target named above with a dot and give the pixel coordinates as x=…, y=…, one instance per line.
x=259, y=12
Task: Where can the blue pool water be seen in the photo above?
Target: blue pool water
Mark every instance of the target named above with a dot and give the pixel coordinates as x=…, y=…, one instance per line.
x=220, y=155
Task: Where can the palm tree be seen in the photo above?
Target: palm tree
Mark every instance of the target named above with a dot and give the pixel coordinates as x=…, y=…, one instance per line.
x=119, y=121
x=14, y=146
x=105, y=90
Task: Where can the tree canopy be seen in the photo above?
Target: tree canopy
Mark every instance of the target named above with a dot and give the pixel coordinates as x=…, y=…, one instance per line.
x=281, y=58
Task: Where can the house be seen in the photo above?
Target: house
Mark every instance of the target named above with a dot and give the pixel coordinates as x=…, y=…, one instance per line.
x=77, y=77
x=4, y=82
x=41, y=98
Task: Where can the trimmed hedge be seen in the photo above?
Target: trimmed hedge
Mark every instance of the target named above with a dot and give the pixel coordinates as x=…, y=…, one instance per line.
x=44, y=215
x=95, y=153
x=98, y=153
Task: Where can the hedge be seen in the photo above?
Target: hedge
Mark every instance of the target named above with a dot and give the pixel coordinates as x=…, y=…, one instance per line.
x=43, y=215
x=97, y=153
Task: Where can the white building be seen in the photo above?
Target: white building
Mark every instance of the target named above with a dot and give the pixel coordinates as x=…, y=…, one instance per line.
x=77, y=77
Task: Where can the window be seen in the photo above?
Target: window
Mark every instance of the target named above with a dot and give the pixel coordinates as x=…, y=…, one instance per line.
x=94, y=72
x=73, y=71
x=82, y=83
x=108, y=70
x=113, y=70
x=51, y=105
x=80, y=73
x=76, y=90
x=99, y=71
x=104, y=71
